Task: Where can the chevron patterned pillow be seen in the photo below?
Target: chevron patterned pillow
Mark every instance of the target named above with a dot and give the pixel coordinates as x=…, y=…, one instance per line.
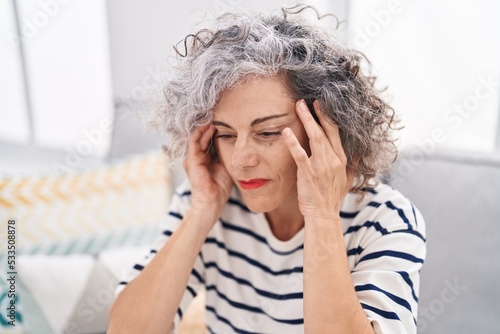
x=83, y=212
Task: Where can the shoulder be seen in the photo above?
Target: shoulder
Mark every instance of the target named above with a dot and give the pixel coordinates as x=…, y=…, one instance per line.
x=183, y=191
x=385, y=209
x=181, y=198
x=386, y=248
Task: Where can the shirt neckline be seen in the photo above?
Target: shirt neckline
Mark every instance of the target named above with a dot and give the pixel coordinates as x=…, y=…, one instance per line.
x=283, y=246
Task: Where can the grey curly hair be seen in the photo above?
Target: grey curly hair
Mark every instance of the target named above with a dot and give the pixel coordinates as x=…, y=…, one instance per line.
x=315, y=66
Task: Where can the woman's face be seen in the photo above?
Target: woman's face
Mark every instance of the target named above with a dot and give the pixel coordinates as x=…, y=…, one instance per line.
x=249, y=119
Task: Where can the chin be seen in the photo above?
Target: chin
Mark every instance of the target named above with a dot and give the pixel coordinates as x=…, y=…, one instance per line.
x=261, y=204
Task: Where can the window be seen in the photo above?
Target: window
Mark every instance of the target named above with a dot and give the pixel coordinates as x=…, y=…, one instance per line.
x=14, y=123
x=64, y=52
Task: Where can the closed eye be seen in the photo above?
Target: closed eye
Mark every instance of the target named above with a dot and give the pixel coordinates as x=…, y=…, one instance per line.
x=270, y=134
x=223, y=136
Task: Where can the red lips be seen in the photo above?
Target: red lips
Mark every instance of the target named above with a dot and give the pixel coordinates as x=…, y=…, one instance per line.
x=253, y=184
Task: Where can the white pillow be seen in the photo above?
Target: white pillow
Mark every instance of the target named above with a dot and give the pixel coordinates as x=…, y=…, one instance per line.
x=56, y=283
x=91, y=312
x=75, y=292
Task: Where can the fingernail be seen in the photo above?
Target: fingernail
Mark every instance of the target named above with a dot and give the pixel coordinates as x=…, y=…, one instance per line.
x=303, y=106
x=286, y=132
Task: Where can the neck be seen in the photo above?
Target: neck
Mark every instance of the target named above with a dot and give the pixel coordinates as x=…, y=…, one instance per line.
x=286, y=221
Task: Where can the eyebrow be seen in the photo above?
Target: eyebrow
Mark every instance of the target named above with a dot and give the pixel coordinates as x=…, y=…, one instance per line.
x=254, y=122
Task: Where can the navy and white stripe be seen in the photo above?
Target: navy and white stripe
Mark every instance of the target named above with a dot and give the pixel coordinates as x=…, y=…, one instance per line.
x=253, y=281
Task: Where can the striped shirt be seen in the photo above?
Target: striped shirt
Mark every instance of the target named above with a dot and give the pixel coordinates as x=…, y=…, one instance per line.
x=254, y=281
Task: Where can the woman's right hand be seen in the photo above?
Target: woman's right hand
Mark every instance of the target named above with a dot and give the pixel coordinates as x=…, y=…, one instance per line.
x=210, y=182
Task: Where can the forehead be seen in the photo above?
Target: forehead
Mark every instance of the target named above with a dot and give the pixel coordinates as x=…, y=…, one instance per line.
x=255, y=97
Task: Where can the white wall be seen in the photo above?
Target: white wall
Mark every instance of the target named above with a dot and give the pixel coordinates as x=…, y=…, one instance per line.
x=440, y=61
x=142, y=33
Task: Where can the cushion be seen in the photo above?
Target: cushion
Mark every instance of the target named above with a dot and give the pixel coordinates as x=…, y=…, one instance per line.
x=91, y=312
x=36, y=322
x=56, y=284
x=72, y=293
x=84, y=212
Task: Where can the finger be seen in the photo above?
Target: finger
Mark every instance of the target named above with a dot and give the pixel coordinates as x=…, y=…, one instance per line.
x=315, y=133
x=296, y=150
x=194, y=148
x=206, y=138
x=331, y=130
x=197, y=133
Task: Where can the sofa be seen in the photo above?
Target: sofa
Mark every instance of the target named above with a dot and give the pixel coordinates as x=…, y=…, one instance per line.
x=458, y=194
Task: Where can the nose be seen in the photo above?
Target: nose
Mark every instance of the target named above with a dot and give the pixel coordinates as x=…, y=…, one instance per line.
x=244, y=155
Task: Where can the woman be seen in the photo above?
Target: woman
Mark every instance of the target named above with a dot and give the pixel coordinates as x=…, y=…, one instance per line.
x=282, y=220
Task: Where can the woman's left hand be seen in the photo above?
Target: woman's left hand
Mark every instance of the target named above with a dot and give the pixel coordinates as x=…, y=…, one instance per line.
x=322, y=178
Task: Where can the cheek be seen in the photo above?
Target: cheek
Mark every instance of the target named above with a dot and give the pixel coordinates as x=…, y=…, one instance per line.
x=284, y=164
x=288, y=167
